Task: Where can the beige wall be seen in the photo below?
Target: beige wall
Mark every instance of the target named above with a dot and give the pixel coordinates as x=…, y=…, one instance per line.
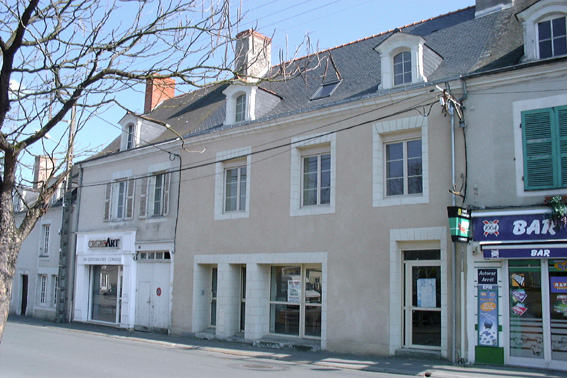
x=355, y=237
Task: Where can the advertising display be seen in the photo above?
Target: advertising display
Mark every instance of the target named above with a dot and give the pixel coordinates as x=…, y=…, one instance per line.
x=488, y=317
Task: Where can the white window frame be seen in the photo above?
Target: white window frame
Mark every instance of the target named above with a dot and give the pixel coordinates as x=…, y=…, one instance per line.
x=307, y=146
x=239, y=172
x=402, y=139
x=241, y=106
x=148, y=187
x=226, y=160
x=44, y=240
x=402, y=129
x=43, y=289
x=232, y=93
x=531, y=17
x=114, y=211
x=548, y=19
x=319, y=170
x=402, y=73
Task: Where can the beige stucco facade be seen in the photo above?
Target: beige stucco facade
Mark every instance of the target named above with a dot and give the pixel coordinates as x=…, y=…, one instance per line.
x=357, y=239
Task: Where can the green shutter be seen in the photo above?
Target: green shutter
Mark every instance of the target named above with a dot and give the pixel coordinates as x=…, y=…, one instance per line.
x=538, y=149
x=562, y=128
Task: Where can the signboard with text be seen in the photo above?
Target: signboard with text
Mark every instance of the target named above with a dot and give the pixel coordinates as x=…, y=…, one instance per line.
x=522, y=227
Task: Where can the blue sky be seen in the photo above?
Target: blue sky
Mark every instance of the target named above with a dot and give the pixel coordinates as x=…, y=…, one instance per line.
x=328, y=23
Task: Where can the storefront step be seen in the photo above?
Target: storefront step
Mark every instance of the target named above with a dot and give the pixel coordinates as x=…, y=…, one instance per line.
x=419, y=354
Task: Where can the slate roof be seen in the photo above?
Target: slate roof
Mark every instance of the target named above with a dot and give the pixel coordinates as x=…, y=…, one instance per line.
x=466, y=44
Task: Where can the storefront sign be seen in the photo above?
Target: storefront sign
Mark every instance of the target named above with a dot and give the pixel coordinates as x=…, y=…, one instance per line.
x=488, y=317
x=524, y=227
x=487, y=277
x=519, y=252
x=97, y=260
x=105, y=243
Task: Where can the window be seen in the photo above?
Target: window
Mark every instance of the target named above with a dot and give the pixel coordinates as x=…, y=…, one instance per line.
x=235, y=189
x=119, y=200
x=130, y=136
x=404, y=168
x=316, y=189
x=232, y=184
x=55, y=280
x=43, y=289
x=402, y=68
x=296, y=297
x=240, y=108
x=400, y=162
x=44, y=243
x=325, y=90
x=145, y=256
x=552, y=38
x=154, y=195
x=312, y=190
x=544, y=133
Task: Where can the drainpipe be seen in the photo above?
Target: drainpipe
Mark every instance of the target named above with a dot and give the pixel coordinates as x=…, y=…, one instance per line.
x=454, y=252
x=463, y=256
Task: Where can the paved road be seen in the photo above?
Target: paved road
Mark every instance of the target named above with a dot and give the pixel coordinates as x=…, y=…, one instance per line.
x=44, y=351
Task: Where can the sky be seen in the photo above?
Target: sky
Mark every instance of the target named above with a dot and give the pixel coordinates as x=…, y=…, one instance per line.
x=328, y=23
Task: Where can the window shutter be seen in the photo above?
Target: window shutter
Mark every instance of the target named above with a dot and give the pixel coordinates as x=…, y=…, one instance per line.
x=562, y=121
x=144, y=198
x=166, y=179
x=538, y=149
x=107, y=202
x=130, y=199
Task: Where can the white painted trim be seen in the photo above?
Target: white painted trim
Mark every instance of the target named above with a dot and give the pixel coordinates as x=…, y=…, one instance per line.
x=299, y=145
x=438, y=234
x=379, y=199
x=222, y=159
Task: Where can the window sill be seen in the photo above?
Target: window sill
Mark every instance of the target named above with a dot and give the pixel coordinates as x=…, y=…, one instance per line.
x=401, y=200
x=232, y=215
x=313, y=210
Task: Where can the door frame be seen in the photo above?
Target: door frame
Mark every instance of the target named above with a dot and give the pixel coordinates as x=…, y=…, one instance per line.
x=408, y=308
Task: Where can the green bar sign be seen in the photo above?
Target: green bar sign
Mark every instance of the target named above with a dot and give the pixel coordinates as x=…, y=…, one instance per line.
x=460, y=224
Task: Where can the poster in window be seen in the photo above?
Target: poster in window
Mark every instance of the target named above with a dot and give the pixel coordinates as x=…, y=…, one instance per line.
x=426, y=294
x=294, y=291
x=488, y=317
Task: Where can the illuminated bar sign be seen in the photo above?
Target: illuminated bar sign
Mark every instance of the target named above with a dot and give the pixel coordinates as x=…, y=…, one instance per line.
x=460, y=224
x=521, y=227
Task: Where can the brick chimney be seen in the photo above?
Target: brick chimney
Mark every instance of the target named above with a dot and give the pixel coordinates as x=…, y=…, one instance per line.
x=158, y=90
x=42, y=170
x=253, y=55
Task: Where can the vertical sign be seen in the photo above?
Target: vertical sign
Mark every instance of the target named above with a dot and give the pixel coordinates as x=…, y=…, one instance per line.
x=487, y=317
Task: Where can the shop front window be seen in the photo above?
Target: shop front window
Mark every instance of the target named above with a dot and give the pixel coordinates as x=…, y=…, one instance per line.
x=295, y=300
x=558, y=308
x=526, y=317
x=105, y=293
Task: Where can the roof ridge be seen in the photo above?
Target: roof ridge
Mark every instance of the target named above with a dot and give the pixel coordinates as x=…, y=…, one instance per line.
x=376, y=35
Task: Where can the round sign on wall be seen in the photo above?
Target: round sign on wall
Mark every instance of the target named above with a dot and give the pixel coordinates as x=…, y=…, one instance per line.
x=158, y=291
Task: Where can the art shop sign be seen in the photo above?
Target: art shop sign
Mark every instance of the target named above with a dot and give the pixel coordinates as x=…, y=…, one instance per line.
x=104, y=243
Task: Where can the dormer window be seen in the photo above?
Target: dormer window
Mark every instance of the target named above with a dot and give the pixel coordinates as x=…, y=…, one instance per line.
x=552, y=38
x=240, y=108
x=130, y=130
x=402, y=68
x=545, y=29
x=405, y=59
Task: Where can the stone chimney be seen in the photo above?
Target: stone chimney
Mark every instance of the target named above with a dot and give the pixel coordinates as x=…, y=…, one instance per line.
x=253, y=55
x=158, y=90
x=42, y=170
x=484, y=7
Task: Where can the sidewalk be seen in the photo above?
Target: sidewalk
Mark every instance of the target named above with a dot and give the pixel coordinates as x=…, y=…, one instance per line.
x=393, y=365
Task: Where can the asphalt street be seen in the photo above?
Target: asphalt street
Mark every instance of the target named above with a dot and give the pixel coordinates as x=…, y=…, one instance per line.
x=35, y=348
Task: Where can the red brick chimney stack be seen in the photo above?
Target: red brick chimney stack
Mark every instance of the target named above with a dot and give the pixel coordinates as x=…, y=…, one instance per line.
x=158, y=90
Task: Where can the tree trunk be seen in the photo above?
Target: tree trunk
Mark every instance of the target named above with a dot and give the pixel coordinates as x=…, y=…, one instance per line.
x=10, y=244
